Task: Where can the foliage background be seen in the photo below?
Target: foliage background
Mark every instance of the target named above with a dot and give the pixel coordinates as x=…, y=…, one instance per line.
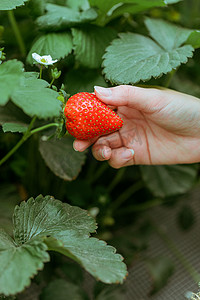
x=96, y=43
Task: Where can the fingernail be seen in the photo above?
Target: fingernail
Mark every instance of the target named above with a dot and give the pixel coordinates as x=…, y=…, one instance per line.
x=105, y=153
x=128, y=154
x=103, y=91
x=75, y=148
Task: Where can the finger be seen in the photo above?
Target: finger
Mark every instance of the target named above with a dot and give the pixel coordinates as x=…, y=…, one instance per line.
x=112, y=140
x=101, y=153
x=121, y=157
x=125, y=95
x=82, y=145
x=102, y=147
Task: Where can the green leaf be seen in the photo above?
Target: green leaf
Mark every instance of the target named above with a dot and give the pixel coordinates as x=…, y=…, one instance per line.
x=11, y=4
x=160, y=268
x=166, y=181
x=9, y=198
x=10, y=75
x=1, y=36
x=69, y=228
x=194, y=39
x=111, y=293
x=44, y=216
x=186, y=217
x=58, y=45
x=99, y=259
x=134, y=57
x=61, y=17
x=61, y=158
x=14, y=127
x=78, y=4
x=63, y=228
x=36, y=7
x=81, y=79
x=73, y=272
x=60, y=289
x=138, y=6
x=35, y=98
x=108, y=10
x=2, y=54
x=169, y=36
x=10, y=113
x=90, y=44
x=58, y=2
x=32, y=255
x=172, y=1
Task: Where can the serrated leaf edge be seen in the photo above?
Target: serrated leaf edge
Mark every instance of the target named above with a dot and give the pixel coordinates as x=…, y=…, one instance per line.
x=15, y=6
x=38, y=268
x=115, y=81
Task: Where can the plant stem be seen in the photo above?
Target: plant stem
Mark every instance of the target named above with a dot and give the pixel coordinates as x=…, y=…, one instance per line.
x=17, y=32
x=41, y=72
x=169, y=78
x=43, y=127
x=99, y=172
x=177, y=253
x=141, y=207
x=52, y=81
x=26, y=135
x=13, y=150
x=16, y=147
x=116, y=179
x=127, y=194
x=31, y=124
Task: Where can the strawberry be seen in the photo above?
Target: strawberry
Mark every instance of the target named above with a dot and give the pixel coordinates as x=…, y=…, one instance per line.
x=88, y=117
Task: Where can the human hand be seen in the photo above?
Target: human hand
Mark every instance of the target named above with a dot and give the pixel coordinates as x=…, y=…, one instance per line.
x=160, y=127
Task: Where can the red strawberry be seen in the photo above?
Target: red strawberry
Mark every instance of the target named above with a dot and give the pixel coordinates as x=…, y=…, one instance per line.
x=88, y=117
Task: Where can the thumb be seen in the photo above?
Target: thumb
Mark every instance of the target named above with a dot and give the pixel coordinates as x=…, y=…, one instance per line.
x=131, y=96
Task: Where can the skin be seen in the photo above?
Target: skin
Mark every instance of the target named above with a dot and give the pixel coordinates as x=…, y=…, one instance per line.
x=161, y=126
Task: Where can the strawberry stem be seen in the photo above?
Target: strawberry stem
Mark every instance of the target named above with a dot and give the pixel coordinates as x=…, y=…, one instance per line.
x=43, y=127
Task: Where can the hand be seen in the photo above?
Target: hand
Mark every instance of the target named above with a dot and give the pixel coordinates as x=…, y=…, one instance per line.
x=161, y=126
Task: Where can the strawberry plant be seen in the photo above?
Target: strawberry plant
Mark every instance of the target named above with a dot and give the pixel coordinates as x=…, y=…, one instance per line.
x=52, y=54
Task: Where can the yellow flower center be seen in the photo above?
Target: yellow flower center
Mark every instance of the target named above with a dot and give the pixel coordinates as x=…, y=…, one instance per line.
x=43, y=60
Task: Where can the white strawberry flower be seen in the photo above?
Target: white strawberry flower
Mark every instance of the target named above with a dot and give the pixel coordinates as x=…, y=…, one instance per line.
x=45, y=60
